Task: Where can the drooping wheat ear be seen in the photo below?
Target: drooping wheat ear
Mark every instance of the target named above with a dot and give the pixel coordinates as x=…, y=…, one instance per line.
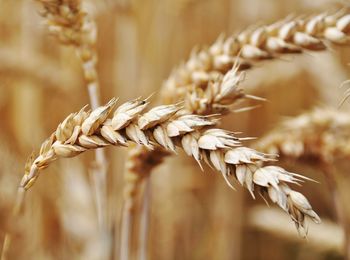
x=168, y=127
x=255, y=44
x=323, y=134
x=71, y=24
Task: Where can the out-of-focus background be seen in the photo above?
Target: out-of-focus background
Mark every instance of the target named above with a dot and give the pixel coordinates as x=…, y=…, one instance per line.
x=194, y=215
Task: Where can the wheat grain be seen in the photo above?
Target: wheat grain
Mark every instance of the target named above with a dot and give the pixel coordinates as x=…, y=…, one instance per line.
x=167, y=126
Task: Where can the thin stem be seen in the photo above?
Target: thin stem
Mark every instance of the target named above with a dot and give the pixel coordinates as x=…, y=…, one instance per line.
x=144, y=222
x=15, y=215
x=137, y=172
x=93, y=89
x=329, y=173
x=127, y=220
x=99, y=175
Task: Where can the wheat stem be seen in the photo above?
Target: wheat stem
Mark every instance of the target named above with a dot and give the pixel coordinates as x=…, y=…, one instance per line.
x=19, y=203
x=137, y=169
x=127, y=218
x=144, y=223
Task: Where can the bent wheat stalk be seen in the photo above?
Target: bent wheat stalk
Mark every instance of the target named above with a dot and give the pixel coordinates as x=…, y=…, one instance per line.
x=169, y=127
x=322, y=134
x=72, y=26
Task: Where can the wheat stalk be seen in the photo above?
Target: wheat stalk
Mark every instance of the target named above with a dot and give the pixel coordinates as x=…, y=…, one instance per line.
x=322, y=134
x=167, y=126
x=290, y=35
x=72, y=26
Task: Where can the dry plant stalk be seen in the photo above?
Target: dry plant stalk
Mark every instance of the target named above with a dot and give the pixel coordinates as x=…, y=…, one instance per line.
x=67, y=20
x=322, y=134
x=168, y=127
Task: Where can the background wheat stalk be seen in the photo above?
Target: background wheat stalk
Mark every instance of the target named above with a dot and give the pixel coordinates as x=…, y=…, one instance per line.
x=322, y=134
x=71, y=24
x=200, y=79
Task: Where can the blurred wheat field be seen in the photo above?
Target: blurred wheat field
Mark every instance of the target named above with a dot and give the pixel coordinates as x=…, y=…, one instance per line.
x=193, y=214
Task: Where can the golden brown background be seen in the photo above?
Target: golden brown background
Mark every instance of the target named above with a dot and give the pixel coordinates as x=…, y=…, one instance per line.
x=194, y=214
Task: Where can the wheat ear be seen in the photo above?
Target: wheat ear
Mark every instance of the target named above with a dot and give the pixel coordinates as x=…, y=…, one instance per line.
x=323, y=134
x=290, y=35
x=167, y=126
x=71, y=24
